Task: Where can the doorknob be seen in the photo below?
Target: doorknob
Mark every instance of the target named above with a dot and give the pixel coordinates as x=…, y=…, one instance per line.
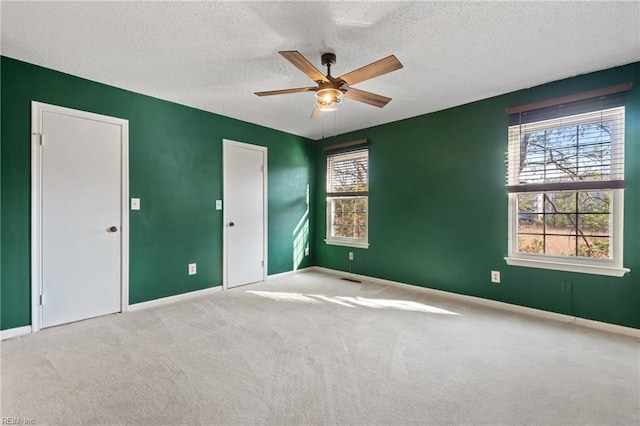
x=232, y=224
x=113, y=229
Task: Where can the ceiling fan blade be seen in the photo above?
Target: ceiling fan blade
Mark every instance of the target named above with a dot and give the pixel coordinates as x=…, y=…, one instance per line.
x=374, y=69
x=367, y=97
x=303, y=65
x=286, y=91
x=316, y=113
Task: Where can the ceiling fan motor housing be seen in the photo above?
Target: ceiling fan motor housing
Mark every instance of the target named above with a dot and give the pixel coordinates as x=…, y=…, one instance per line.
x=328, y=58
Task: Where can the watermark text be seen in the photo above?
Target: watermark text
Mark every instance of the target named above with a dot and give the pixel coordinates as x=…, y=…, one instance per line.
x=17, y=421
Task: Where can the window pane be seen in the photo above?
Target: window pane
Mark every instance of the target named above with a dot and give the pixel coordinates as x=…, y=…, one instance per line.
x=561, y=158
x=560, y=245
x=529, y=213
x=530, y=244
x=562, y=164
x=564, y=224
x=595, y=133
x=594, y=224
x=560, y=202
x=595, y=150
x=532, y=166
x=594, y=201
x=360, y=212
x=349, y=219
x=535, y=151
x=529, y=203
x=597, y=247
x=530, y=223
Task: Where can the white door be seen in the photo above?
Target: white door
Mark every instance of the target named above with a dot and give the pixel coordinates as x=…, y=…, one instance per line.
x=244, y=213
x=80, y=214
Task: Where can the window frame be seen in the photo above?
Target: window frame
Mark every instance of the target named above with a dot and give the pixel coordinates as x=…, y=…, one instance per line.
x=612, y=266
x=344, y=241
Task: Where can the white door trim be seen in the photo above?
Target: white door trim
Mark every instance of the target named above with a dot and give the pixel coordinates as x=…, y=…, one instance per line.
x=37, y=109
x=227, y=143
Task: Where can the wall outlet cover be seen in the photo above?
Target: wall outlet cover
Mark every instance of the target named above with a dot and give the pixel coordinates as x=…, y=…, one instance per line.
x=192, y=269
x=495, y=277
x=135, y=204
x=218, y=204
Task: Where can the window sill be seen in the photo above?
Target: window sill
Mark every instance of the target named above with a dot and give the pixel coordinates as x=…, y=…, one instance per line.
x=347, y=243
x=612, y=271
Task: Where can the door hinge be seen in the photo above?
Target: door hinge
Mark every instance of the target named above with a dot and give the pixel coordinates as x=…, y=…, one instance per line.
x=39, y=135
x=262, y=263
x=261, y=167
x=40, y=300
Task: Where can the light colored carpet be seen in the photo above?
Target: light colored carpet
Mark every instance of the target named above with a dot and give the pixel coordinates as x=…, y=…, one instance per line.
x=313, y=349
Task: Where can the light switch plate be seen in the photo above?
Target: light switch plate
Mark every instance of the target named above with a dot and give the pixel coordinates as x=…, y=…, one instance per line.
x=218, y=204
x=135, y=204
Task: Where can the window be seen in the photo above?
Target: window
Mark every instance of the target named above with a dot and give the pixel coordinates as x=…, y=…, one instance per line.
x=565, y=180
x=347, y=198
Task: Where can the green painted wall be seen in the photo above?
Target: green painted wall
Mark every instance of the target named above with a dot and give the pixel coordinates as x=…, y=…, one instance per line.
x=175, y=167
x=438, y=208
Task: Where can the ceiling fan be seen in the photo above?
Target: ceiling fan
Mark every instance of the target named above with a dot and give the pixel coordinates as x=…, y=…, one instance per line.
x=330, y=90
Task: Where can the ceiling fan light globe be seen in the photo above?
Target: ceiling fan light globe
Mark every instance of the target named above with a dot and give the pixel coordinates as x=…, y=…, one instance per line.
x=329, y=99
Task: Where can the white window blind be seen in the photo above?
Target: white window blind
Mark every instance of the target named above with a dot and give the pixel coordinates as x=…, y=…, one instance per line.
x=348, y=174
x=570, y=153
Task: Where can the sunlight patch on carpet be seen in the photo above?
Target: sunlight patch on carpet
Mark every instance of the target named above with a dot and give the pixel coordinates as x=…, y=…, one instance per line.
x=351, y=302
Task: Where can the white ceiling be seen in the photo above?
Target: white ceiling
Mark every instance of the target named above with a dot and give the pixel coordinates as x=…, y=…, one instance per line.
x=214, y=55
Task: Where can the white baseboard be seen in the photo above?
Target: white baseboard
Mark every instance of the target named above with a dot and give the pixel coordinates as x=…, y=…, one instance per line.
x=15, y=332
x=597, y=325
x=289, y=273
x=172, y=299
x=610, y=328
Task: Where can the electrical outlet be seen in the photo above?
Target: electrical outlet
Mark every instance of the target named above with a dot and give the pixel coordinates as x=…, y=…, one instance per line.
x=135, y=204
x=495, y=277
x=192, y=269
x=218, y=204
x=350, y=255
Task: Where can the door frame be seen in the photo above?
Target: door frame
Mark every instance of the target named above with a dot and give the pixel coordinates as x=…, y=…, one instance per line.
x=229, y=143
x=37, y=110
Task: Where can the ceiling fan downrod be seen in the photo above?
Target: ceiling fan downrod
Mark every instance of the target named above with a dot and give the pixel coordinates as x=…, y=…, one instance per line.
x=328, y=59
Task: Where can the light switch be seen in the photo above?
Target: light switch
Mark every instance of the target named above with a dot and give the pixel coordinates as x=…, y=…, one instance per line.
x=135, y=204
x=218, y=204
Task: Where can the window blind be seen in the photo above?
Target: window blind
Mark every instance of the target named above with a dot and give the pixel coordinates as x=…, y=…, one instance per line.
x=606, y=97
x=348, y=174
x=566, y=147
x=346, y=146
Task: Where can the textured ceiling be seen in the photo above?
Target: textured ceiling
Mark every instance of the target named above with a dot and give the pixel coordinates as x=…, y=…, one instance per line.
x=214, y=55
